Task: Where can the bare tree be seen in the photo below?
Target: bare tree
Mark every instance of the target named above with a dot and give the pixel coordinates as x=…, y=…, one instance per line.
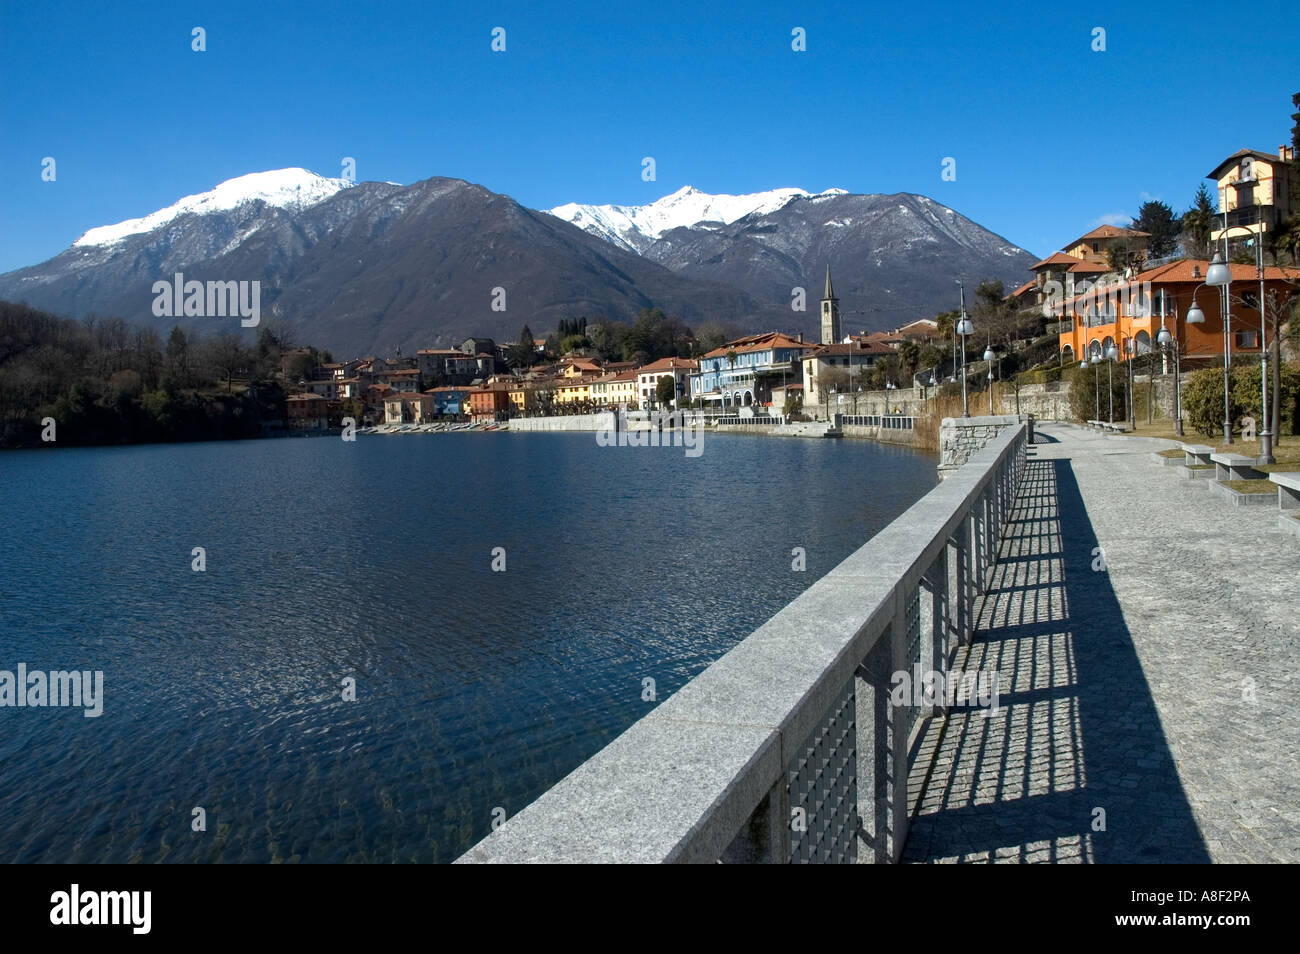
x=228, y=357
x=830, y=379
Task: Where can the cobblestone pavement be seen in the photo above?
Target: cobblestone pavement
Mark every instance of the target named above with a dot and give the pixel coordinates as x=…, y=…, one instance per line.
x=1147, y=670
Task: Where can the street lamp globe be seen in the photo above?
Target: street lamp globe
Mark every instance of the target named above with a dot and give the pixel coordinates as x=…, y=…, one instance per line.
x=1164, y=337
x=988, y=353
x=1194, y=315
x=1218, y=273
x=1112, y=352
x=964, y=326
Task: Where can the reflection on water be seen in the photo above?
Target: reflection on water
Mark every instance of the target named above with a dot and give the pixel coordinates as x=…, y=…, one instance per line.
x=372, y=560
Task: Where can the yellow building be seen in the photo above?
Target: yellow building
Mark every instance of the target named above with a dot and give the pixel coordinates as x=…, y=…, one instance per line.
x=572, y=392
x=581, y=368
x=615, y=390
x=523, y=398
x=1254, y=191
x=1093, y=246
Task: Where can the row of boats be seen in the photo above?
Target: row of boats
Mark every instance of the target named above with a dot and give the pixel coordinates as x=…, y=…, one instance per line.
x=438, y=428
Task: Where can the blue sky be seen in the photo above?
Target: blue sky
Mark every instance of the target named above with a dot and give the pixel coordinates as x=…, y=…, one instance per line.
x=1050, y=137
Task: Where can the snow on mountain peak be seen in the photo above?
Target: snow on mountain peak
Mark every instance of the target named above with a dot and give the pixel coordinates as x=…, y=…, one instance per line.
x=635, y=227
x=292, y=189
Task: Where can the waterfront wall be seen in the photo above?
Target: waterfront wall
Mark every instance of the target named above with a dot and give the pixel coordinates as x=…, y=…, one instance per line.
x=789, y=748
x=908, y=401
x=1051, y=402
x=882, y=434
x=1046, y=402
x=570, y=422
x=960, y=438
x=591, y=422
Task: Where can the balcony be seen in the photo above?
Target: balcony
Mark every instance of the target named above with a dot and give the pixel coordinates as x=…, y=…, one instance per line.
x=1247, y=216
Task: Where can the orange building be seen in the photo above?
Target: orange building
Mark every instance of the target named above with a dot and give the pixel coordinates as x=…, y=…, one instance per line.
x=307, y=411
x=1128, y=314
x=488, y=403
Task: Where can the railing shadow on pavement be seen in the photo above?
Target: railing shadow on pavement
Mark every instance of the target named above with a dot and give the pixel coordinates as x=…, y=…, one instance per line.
x=1076, y=765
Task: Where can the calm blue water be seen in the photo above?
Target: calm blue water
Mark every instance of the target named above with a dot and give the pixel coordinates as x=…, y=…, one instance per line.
x=372, y=560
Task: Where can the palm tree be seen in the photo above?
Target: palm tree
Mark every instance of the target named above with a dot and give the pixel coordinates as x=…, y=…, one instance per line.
x=1284, y=240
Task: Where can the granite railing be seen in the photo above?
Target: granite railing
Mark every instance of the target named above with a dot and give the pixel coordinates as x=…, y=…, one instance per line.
x=903, y=422
x=788, y=748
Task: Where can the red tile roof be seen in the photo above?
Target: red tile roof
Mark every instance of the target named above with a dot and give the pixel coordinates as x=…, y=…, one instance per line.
x=1176, y=273
x=1107, y=232
x=669, y=364
x=1060, y=258
x=859, y=346
x=763, y=342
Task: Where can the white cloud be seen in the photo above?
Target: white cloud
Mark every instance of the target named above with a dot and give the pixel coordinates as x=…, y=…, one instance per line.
x=1112, y=218
x=1148, y=197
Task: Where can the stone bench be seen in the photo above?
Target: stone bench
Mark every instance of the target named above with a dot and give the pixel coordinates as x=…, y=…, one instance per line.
x=1288, y=490
x=1108, y=426
x=1234, y=467
x=1196, y=454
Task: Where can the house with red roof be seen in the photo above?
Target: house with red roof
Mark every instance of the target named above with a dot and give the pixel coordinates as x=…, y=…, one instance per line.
x=1129, y=314
x=679, y=369
x=743, y=372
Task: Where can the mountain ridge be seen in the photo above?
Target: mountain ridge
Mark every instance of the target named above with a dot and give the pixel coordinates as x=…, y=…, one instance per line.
x=373, y=267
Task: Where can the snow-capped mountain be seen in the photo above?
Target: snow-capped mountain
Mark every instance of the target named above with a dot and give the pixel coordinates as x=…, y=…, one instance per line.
x=894, y=258
x=369, y=268
x=637, y=227
x=375, y=266
x=290, y=189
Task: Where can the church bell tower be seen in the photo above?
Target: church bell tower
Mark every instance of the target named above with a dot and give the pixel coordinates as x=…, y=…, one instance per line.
x=830, y=313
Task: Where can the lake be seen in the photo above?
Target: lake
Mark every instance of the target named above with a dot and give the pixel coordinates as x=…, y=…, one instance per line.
x=369, y=564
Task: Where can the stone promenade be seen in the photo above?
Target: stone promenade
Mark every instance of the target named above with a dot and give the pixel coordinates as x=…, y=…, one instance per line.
x=1148, y=675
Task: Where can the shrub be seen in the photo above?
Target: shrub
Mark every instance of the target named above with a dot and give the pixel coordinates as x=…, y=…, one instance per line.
x=1203, y=398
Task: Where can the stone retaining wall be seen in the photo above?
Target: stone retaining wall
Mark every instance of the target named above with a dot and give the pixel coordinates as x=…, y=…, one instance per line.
x=886, y=435
x=960, y=438
x=570, y=422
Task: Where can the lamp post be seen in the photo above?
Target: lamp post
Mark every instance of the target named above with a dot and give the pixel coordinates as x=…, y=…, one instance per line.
x=1265, y=435
x=1130, y=349
x=1111, y=354
x=1166, y=339
x=989, y=356
x=1096, y=387
x=964, y=328
x=1195, y=316
x=1220, y=276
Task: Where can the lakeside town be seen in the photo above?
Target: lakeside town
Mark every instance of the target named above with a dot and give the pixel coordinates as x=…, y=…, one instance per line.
x=1122, y=319
x=1121, y=295
x=922, y=487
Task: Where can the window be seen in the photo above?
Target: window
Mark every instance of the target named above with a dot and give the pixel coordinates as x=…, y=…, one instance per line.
x=1247, y=339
